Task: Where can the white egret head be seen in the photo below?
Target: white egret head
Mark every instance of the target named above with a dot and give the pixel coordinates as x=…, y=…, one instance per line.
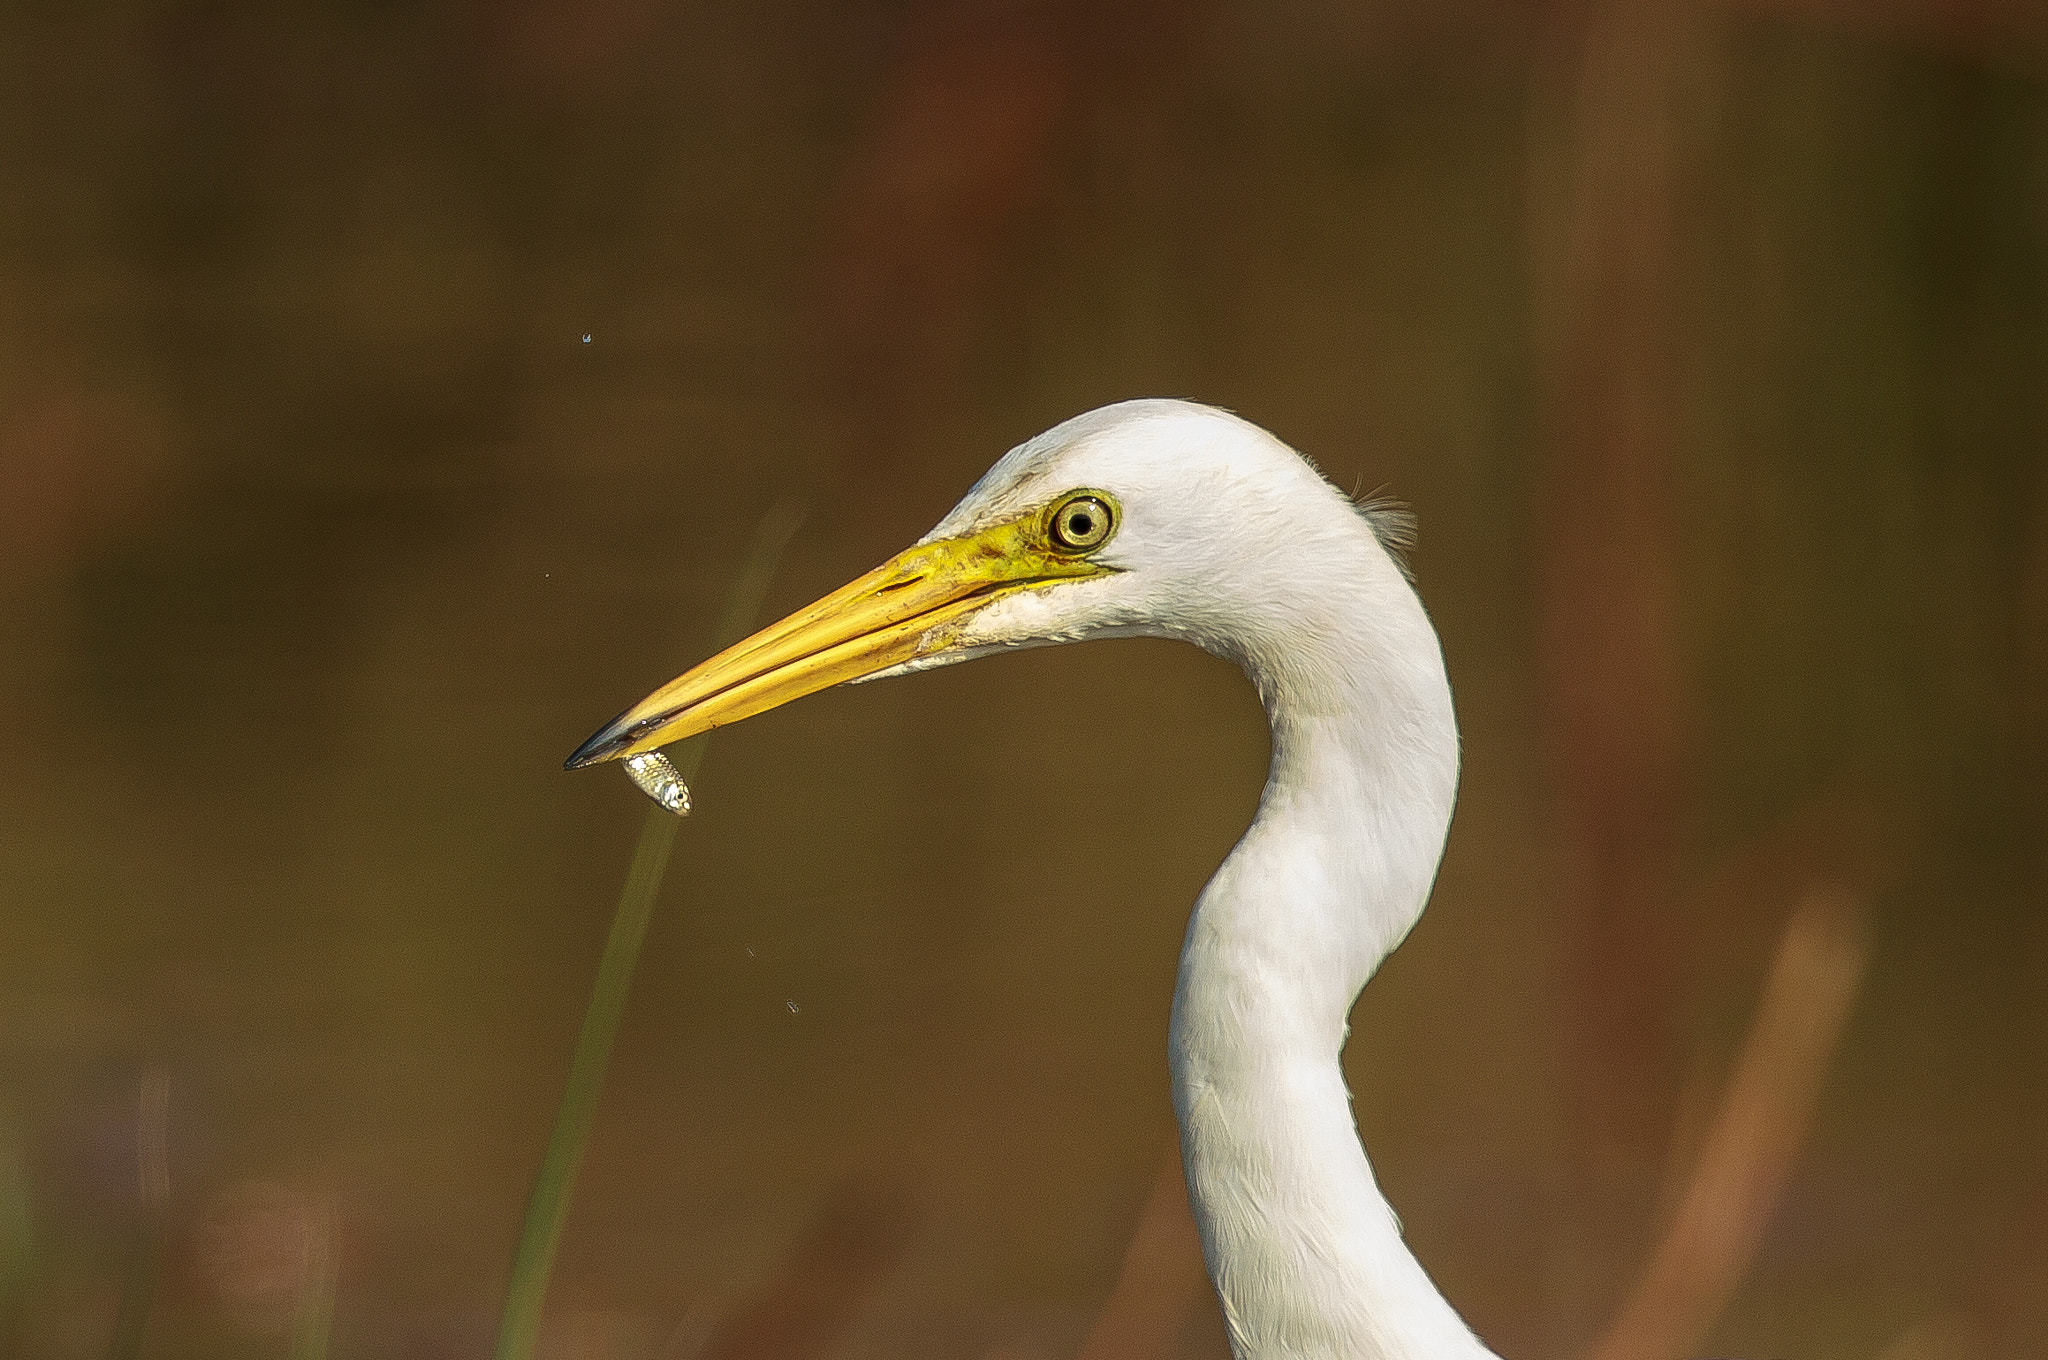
x=1155, y=518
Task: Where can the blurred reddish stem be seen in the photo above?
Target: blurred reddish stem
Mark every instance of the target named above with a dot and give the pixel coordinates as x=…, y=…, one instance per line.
x=955, y=152
x=1754, y=1139
x=852, y=1243
x=959, y=150
x=1162, y=1278
x=1615, y=711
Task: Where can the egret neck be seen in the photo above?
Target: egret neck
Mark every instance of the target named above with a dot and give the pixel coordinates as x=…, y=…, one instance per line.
x=1306, y=1254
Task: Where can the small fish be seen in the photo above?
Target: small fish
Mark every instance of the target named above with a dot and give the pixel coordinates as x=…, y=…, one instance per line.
x=658, y=779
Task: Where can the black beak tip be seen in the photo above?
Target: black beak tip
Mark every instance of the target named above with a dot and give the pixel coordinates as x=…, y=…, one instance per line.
x=606, y=743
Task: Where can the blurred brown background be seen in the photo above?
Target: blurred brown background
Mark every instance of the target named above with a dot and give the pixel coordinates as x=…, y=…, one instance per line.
x=388, y=389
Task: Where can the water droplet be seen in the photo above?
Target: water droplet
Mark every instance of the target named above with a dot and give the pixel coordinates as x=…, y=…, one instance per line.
x=659, y=780
x=586, y=337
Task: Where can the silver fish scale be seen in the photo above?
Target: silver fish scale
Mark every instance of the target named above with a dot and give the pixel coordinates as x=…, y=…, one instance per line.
x=658, y=779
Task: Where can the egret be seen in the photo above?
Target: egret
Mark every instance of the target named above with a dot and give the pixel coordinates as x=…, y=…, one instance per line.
x=1160, y=518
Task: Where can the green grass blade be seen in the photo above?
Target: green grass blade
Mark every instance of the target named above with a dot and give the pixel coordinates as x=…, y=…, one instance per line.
x=548, y=1206
x=145, y=1255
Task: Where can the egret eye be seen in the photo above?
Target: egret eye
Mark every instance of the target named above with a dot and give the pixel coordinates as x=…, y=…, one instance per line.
x=1083, y=522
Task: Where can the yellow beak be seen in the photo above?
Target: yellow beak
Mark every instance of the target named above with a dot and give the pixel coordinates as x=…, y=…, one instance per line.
x=893, y=614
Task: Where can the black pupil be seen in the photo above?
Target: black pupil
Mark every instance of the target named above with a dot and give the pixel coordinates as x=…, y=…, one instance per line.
x=1079, y=525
